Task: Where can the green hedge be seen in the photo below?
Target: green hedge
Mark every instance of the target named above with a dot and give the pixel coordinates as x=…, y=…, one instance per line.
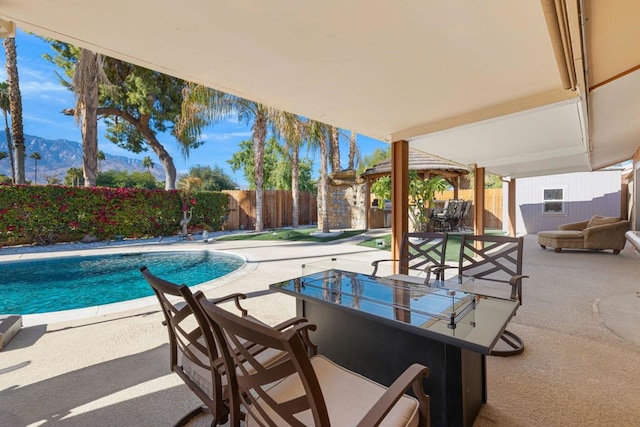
x=49, y=214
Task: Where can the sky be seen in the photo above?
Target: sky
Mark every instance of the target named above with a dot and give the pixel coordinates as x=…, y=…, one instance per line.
x=43, y=99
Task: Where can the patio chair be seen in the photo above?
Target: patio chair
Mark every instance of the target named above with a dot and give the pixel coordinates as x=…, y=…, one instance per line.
x=419, y=254
x=193, y=352
x=303, y=390
x=494, y=262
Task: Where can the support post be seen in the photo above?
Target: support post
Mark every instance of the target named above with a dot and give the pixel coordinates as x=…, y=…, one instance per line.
x=399, y=199
x=511, y=207
x=478, y=195
x=456, y=186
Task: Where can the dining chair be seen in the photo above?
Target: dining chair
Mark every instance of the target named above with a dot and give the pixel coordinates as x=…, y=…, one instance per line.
x=495, y=264
x=419, y=254
x=194, y=356
x=300, y=390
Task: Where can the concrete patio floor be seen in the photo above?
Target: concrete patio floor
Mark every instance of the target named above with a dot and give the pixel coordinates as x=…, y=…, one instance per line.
x=579, y=321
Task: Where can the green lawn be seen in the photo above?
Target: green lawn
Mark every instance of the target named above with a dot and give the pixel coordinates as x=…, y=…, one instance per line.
x=294, y=235
x=453, y=243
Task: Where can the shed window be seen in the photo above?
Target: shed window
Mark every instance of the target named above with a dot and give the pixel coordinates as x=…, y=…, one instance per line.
x=553, y=200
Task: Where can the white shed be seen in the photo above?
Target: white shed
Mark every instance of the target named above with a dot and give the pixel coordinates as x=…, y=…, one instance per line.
x=544, y=202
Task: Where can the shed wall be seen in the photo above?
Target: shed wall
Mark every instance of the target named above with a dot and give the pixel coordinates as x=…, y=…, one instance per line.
x=585, y=194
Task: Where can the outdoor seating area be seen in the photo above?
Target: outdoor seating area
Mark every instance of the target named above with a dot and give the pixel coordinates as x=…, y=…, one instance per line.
x=453, y=216
x=494, y=263
x=136, y=380
x=597, y=233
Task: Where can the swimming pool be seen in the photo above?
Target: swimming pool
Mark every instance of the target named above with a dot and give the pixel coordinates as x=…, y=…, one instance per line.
x=54, y=284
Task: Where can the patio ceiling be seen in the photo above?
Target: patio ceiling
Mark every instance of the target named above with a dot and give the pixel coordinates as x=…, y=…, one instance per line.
x=473, y=82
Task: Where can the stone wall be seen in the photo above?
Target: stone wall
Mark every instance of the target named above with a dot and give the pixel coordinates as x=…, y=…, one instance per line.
x=346, y=201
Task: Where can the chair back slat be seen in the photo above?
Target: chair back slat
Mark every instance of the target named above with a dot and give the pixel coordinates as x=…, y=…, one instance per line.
x=250, y=376
x=496, y=258
x=419, y=251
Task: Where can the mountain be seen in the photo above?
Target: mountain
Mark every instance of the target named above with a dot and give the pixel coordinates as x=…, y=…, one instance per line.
x=59, y=155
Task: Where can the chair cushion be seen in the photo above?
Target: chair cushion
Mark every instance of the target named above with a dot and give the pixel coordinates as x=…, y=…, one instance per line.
x=348, y=397
x=601, y=220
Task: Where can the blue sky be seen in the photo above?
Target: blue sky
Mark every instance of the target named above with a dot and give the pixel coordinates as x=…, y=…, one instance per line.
x=43, y=99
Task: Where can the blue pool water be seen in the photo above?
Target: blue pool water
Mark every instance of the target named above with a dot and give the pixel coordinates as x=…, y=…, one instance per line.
x=43, y=286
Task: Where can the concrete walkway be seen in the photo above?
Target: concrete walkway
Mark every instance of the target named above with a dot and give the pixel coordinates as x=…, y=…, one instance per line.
x=579, y=321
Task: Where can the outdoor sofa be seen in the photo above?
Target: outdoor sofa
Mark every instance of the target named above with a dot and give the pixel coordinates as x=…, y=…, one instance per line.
x=598, y=233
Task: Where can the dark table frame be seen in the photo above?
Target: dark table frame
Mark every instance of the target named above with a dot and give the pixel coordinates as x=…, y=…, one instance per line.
x=381, y=349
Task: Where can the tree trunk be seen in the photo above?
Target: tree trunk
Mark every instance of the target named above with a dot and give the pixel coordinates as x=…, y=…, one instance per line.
x=259, y=136
x=90, y=126
x=352, y=151
x=165, y=160
x=324, y=184
x=142, y=125
x=9, y=147
x=15, y=106
x=295, y=186
x=335, y=149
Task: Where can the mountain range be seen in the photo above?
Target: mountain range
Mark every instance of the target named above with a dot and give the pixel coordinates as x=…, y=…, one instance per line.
x=57, y=156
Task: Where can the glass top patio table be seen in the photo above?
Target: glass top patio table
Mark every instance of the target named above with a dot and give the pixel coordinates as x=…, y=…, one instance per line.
x=440, y=310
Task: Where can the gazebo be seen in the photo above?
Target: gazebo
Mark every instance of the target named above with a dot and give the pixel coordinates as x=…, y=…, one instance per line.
x=426, y=165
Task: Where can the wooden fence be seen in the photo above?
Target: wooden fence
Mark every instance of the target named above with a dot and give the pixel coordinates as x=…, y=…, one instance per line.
x=492, y=205
x=277, y=209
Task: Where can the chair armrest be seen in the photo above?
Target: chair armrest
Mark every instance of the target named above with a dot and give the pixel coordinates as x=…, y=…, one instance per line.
x=302, y=330
x=438, y=270
x=413, y=377
x=516, y=286
x=374, y=264
x=236, y=297
x=312, y=349
x=578, y=226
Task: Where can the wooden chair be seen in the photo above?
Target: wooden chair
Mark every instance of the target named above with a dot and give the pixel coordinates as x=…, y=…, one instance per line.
x=493, y=262
x=305, y=391
x=194, y=355
x=419, y=254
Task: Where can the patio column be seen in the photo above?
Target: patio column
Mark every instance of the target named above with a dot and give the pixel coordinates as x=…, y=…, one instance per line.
x=478, y=195
x=511, y=207
x=399, y=199
x=456, y=186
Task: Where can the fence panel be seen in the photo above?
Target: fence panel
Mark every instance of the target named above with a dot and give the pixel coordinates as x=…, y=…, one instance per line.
x=277, y=209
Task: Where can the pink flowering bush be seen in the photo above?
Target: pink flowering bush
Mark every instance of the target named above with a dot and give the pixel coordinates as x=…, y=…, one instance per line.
x=48, y=214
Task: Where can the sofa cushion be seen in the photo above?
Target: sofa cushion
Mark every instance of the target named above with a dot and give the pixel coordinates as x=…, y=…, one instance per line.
x=601, y=220
x=570, y=239
x=561, y=234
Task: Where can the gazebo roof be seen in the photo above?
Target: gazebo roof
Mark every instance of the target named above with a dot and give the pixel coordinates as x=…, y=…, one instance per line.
x=420, y=162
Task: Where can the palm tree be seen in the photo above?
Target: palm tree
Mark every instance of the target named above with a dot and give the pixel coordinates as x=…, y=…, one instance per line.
x=318, y=138
x=203, y=106
x=15, y=107
x=4, y=106
x=35, y=156
x=147, y=163
x=88, y=76
x=290, y=127
x=73, y=177
x=334, y=140
x=101, y=158
x=352, y=150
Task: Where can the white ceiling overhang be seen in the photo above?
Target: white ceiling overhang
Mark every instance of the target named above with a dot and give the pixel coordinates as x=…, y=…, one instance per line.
x=540, y=141
x=473, y=82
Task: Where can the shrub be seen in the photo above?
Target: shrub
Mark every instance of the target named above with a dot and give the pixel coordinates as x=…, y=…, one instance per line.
x=49, y=214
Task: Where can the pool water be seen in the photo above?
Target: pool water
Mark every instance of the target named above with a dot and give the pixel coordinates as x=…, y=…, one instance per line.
x=43, y=286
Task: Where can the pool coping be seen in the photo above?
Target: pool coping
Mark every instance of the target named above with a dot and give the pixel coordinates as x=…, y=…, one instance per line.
x=117, y=307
